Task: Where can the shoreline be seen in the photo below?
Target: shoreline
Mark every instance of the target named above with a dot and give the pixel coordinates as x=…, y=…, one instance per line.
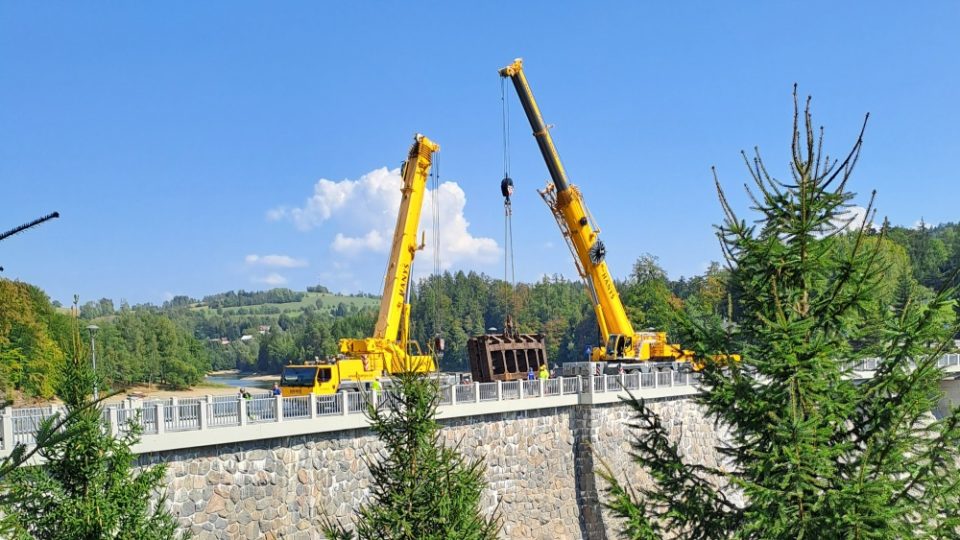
x=148, y=392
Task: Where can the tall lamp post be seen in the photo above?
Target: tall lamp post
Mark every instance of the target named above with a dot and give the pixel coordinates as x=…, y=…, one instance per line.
x=93, y=349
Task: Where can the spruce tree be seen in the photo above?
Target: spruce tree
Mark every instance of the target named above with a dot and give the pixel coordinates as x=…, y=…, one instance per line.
x=88, y=486
x=421, y=488
x=811, y=452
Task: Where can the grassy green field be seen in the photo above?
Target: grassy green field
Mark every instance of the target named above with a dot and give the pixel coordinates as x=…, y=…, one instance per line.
x=330, y=302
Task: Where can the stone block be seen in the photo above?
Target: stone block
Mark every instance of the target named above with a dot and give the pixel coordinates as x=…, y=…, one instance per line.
x=215, y=504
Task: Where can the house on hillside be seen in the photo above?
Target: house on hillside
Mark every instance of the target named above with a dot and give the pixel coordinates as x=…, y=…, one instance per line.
x=264, y=329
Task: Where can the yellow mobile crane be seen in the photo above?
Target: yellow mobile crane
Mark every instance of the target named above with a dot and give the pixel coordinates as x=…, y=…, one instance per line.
x=389, y=351
x=624, y=347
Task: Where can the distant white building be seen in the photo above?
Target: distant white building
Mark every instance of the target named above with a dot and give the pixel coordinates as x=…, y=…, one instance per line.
x=246, y=337
x=264, y=329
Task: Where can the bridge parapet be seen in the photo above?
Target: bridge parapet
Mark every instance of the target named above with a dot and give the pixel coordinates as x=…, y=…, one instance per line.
x=180, y=423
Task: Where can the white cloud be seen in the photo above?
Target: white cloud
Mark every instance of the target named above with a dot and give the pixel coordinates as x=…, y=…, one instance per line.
x=279, y=261
x=372, y=241
x=328, y=198
x=276, y=213
x=851, y=219
x=274, y=279
x=456, y=242
x=922, y=223
x=364, y=214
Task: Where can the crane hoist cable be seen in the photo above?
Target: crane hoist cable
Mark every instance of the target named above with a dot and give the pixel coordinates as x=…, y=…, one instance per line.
x=435, y=237
x=506, y=189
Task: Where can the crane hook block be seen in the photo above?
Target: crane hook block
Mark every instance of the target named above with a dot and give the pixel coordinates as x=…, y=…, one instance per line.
x=506, y=188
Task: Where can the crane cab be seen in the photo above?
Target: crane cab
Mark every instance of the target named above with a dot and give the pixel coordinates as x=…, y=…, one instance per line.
x=304, y=380
x=619, y=346
x=325, y=379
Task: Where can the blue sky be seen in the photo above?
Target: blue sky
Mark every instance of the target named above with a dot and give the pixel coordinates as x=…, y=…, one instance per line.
x=180, y=141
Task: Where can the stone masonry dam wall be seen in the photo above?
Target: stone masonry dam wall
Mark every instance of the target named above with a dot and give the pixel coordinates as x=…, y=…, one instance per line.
x=540, y=467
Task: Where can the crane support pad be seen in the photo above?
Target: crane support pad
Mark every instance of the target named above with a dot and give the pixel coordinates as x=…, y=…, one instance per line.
x=501, y=357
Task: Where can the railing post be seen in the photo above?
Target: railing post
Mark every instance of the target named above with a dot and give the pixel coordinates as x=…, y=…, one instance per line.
x=242, y=411
x=202, y=420
x=159, y=416
x=499, y=390
x=176, y=410
x=114, y=421
x=344, y=403
x=279, y=405
x=7, y=435
x=589, y=383
x=476, y=392
x=541, y=387
x=656, y=378
x=520, y=387
x=313, y=405
x=623, y=381
x=453, y=394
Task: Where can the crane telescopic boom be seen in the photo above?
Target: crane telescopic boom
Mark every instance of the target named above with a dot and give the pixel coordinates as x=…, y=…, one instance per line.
x=582, y=237
x=362, y=362
x=392, y=306
x=567, y=205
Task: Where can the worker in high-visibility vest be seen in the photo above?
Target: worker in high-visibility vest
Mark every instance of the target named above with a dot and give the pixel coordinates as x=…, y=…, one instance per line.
x=544, y=373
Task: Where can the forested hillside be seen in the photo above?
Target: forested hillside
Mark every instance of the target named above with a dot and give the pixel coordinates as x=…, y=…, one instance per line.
x=177, y=343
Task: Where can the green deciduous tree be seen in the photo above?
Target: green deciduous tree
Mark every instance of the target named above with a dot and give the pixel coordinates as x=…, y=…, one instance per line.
x=811, y=452
x=422, y=489
x=88, y=486
x=32, y=358
x=647, y=296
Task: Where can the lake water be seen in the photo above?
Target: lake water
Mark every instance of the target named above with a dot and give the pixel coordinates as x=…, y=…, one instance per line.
x=234, y=379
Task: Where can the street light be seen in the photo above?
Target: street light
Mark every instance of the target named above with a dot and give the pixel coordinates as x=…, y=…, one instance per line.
x=93, y=349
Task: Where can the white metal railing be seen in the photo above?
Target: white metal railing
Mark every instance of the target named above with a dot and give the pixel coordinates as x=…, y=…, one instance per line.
x=156, y=417
x=183, y=416
x=488, y=391
x=510, y=390
x=355, y=403
x=330, y=405
x=296, y=407
x=25, y=423
x=551, y=387
x=872, y=364
x=466, y=393
x=223, y=413
x=570, y=385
